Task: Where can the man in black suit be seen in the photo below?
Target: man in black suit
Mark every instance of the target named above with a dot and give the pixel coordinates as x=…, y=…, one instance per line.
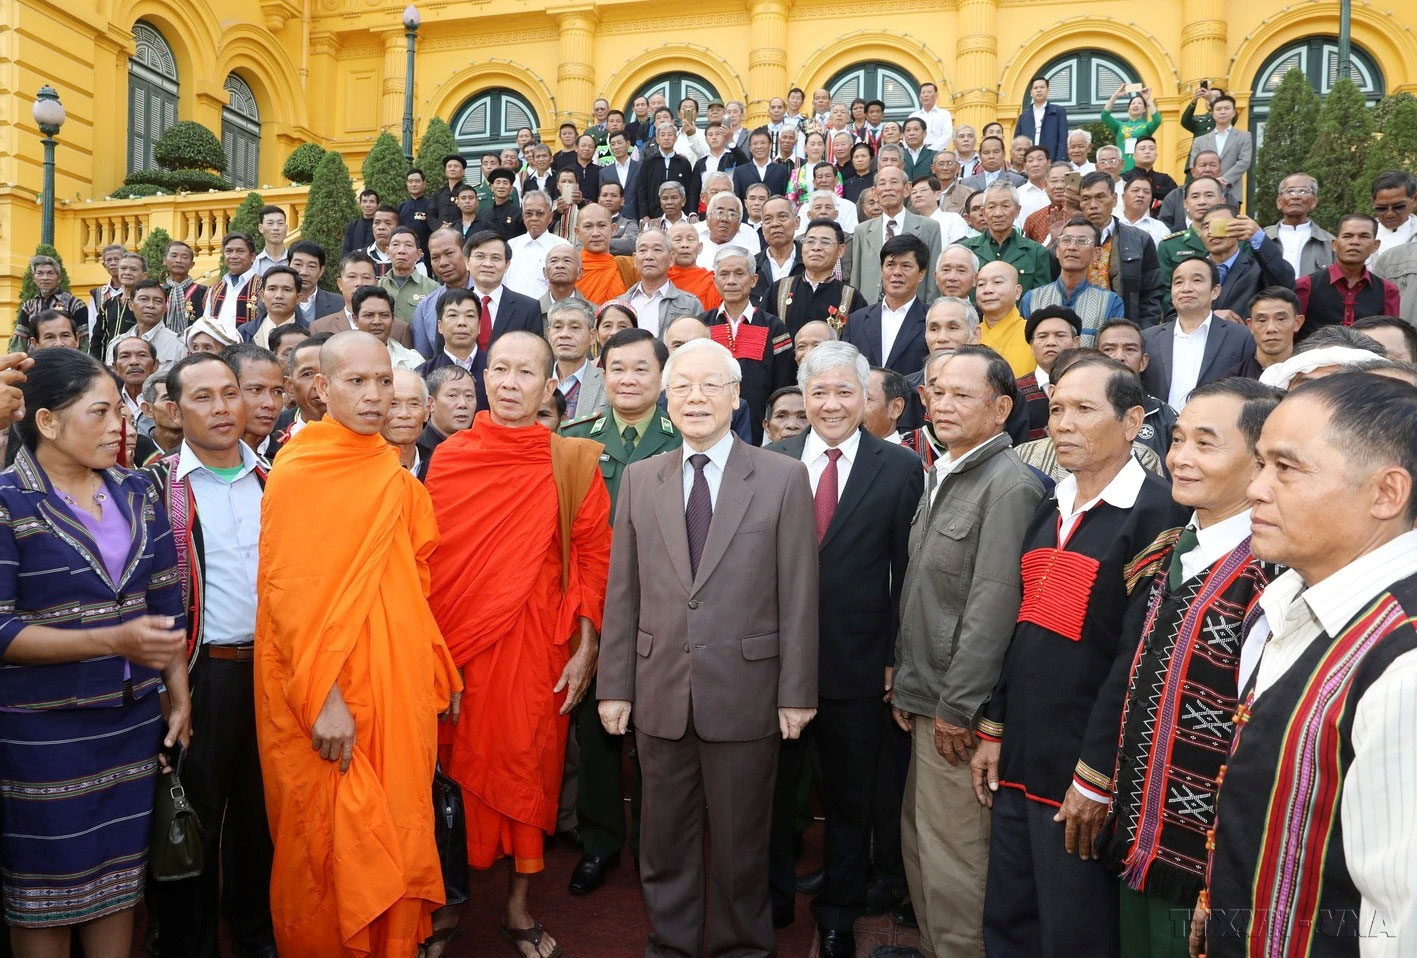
x=1197, y=347
x=866, y=491
x=760, y=168
x=458, y=328
x=1046, y=124
x=891, y=333
x=720, y=157
x=660, y=165
x=625, y=170
x=501, y=309
x=1248, y=260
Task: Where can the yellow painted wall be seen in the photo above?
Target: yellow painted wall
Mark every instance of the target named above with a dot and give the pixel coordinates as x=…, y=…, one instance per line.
x=333, y=70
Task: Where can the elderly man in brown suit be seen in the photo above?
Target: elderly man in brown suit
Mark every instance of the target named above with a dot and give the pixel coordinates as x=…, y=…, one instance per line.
x=710, y=643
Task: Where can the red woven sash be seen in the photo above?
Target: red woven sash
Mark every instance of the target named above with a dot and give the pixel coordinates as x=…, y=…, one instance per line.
x=1056, y=587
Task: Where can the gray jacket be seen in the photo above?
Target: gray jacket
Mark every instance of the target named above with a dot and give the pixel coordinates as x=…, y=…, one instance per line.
x=1399, y=266
x=963, y=585
x=676, y=303
x=1316, y=253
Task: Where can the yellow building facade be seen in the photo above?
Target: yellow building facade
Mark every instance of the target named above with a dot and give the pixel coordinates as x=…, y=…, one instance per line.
x=267, y=75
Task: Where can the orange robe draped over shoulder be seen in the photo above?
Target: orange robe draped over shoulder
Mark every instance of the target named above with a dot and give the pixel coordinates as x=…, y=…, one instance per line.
x=603, y=277
x=696, y=280
x=345, y=538
x=497, y=597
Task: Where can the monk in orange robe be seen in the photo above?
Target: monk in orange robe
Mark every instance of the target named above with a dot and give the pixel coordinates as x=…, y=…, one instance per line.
x=686, y=274
x=518, y=590
x=351, y=674
x=603, y=276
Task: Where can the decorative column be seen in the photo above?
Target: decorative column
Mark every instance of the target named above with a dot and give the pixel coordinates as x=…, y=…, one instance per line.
x=767, y=59
x=391, y=103
x=575, y=77
x=976, y=85
x=1203, y=37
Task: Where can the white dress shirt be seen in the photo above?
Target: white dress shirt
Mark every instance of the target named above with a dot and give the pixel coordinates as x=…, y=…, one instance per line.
x=1292, y=240
x=227, y=316
x=846, y=217
x=1031, y=199
x=1038, y=112
x=1156, y=229
x=1120, y=492
x=939, y=127
x=1084, y=168
x=464, y=363
x=1376, y=810
x=165, y=343
x=748, y=312
x=691, y=147
x=891, y=322
x=713, y=471
x=1187, y=357
x=746, y=237
x=953, y=228
x=776, y=271
x=646, y=306
x=814, y=456
x=1221, y=138
x=899, y=221
x=1387, y=239
x=526, y=272
x=230, y=517
x=401, y=355
x=1213, y=543
x=945, y=466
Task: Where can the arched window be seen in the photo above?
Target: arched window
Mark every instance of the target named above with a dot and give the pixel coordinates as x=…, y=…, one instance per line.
x=674, y=87
x=488, y=123
x=241, y=133
x=152, y=94
x=1082, y=81
x=1317, y=57
x=894, y=87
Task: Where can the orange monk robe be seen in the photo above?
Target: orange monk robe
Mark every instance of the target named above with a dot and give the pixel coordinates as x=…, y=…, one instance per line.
x=603, y=277
x=345, y=538
x=497, y=597
x=696, y=280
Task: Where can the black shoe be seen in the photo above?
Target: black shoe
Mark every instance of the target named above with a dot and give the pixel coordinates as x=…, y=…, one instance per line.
x=895, y=951
x=811, y=883
x=837, y=943
x=589, y=873
x=883, y=896
x=904, y=916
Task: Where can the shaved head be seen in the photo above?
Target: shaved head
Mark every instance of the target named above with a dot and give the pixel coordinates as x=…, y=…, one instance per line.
x=520, y=338
x=345, y=346
x=593, y=228
x=356, y=381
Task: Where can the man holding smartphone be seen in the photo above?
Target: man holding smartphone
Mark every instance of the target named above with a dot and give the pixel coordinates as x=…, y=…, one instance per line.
x=1248, y=260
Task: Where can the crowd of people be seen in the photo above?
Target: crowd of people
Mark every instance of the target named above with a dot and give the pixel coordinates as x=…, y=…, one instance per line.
x=1030, y=511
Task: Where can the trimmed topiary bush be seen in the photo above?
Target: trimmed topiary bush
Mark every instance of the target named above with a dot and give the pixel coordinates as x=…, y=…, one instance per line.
x=1340, y=148
x=1286, y=144
x=139, y=191
x=1396, y=145
x=246, y=219
x=1101, y=136
x=153, y=250
x=28, y=290
x=386, y=171
x=185, y=181
x=189, y=146
x=329, y=208
x=437, y=142
x=300, y=164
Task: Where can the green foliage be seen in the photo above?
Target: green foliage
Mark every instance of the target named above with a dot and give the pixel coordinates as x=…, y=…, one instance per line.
x=437, y=143
x=174, y=181
x=1101, y=136
x=28, y=290
x=329, y=208
x=153, y=250
x=246, y=219
x=300, y=165
x=1288, y=136
x=386, y=171
x=1340, y=146
x=1396, y=145
x=189, y=146
x=139, y=191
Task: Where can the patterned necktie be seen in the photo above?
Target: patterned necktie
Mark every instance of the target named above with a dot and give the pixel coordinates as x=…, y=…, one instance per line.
x=890, y=229
x=627, y=436
x=571, y=395
x=827, y=494
x=699, y=512
x=1184, y=544
x=484, y=327
x=1224, y=269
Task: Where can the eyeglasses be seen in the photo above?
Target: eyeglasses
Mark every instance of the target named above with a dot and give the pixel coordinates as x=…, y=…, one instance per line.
x=818, y=242
x=711, y=388
x=723, y=213
x=1298, y=191
x=1392, y=207
x=1075, y=241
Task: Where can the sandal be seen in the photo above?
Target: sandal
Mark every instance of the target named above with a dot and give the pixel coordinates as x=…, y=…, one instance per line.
x=440, y=936
x=530, y=936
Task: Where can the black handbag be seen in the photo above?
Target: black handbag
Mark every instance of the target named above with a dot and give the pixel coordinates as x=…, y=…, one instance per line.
x=450, y=833
x=176, y=848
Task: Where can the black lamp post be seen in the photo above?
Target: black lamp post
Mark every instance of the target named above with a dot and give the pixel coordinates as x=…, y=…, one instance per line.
x=411, y=20
x=49, y=116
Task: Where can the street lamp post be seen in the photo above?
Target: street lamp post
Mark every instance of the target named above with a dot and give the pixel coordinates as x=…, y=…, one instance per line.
x=49, y=116
x=411, y=20
x=1345, y=46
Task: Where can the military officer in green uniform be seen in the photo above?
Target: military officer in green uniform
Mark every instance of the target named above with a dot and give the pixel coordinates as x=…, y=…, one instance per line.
x=1201, y=194
x=1002, y=240
x=632, y=429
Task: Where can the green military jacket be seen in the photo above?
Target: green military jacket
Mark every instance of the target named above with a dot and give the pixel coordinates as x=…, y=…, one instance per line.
x=1029, y=258
x=1186, y=244
x=659, y=435
x=408, y=296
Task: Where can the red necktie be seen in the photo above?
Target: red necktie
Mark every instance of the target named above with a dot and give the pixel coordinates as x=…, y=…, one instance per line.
x=827, y=494
x=484, y=325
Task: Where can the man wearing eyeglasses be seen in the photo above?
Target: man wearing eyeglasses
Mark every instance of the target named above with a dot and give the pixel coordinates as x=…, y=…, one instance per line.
x=1394, y=196
x=1095, y=305
x=1307, y=246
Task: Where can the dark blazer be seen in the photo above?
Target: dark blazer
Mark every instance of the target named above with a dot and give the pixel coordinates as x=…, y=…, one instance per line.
x=336, y=322
x=1227, y=345
x=748, y=617
x=1254, y=270
x=762, y=287
x=653, y=174
x=1134, y=273
x=609, y=174
x=516, y=311
x=863, y=330
x=775, y=179
x=1054, y=135
x=479, y=370
x=863, y=556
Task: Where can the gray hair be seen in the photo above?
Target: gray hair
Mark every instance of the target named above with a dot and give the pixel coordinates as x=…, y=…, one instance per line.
x=938, y=355
x=731, y=252
x=973, y=256
x=443, y=375
x=538, y=194
x=730, y=365
x=830, y=355
x=1300, y=175
x=664, y=126
x=823, y=194
x=1080, y=135
x=1112, y=147
x=723, y=197
x=673, y=185
x=966, y=308
x=150, y=386
x=422, y=386
x=716, y=177
x=999, y=186
x=111, y=247
x=571, y=305
x=37, y=261
x=890, y=147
